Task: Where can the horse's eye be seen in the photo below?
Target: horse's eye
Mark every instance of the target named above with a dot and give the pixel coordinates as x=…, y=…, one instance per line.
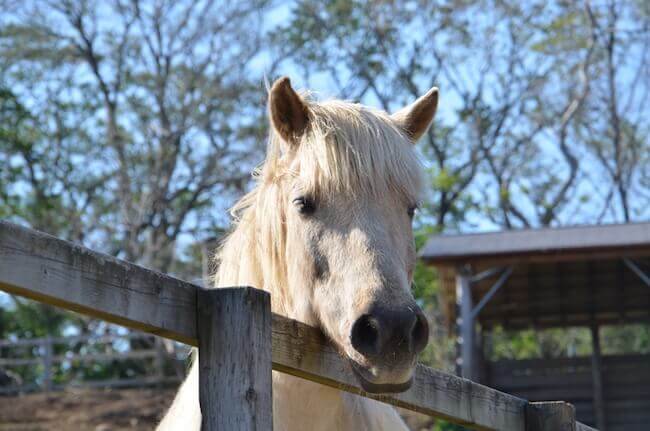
x=412, y=210
x=305, y=205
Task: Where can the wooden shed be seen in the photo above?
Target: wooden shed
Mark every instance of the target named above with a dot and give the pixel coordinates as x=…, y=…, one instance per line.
x=558, y=277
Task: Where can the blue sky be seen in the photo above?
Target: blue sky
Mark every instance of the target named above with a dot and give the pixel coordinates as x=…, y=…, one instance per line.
x=446, y=114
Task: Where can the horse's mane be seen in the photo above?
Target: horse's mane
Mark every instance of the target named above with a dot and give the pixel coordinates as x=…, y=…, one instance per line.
x=348, y=148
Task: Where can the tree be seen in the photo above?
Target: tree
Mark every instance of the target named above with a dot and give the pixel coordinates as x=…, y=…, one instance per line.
x=148, y=116
x=616, y=130
x=127, y=126
x=521, y=100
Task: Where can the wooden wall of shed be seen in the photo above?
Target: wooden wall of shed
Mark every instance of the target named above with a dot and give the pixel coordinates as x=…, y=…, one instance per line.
x=569, y=294
x=626, y=381
x=558, y=294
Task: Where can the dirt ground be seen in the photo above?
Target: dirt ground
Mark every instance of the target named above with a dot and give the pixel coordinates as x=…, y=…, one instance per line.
x=100, y=410
x=85, y=410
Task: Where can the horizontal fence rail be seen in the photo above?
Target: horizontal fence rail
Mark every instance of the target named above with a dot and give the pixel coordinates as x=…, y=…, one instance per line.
x=75, y=339
x=41, y=351
x=53, y=271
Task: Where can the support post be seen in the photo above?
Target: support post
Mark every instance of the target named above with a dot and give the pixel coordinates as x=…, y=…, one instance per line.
x=234, y=331
x=490, y=293
x=465, y=323
x=550, y=416
x=638, y=271
x=481, y=363
x=597, y=379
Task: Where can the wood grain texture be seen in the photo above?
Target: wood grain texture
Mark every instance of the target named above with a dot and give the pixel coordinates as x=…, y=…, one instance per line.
x=625, y=379
x=550, y=416
x=50, y=270
x=234, y=329
x=553, y=416
x=304, y=352
x=56, y=272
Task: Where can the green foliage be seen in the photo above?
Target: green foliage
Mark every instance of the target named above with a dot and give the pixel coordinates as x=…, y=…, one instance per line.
x=29, y=320
x=446, y=426
x=444, y=180
x=26, y=319
x=625, y=339
x=425, y=282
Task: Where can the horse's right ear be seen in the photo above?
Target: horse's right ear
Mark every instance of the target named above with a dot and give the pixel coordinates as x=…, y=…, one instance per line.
x=416, y=118
x=288, y=112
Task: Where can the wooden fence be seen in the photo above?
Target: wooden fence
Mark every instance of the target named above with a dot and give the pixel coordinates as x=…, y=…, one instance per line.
x=626, y=379
x=237, y=395
x=42, y=352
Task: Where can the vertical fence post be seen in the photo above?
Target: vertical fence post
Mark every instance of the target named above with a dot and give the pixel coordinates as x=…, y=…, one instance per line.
x=159, y=361
x=550, y=416
x=234, y=331
x=47, y=363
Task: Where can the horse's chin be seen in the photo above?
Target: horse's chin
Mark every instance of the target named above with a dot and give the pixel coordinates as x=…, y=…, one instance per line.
x=369, y=384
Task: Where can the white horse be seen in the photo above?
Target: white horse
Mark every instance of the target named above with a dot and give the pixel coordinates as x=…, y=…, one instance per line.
x=327, y=231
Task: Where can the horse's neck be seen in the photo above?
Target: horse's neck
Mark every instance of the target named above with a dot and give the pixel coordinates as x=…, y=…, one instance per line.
x=298, y=404
x=240, y=264
x=303, y=405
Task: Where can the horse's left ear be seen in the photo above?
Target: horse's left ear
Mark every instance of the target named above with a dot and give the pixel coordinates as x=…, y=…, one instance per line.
x=288, y=112
x=415, y=118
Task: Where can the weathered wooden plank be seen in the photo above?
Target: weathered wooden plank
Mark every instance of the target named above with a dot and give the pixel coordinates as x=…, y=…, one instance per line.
x=304, y=352
x=234, y=329
x=53, y=271
x=50, y=270
x=553, y=416
x=550, y=416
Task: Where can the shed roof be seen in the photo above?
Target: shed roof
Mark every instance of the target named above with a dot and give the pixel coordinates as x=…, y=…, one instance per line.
x=566, y=243
x=561, y=276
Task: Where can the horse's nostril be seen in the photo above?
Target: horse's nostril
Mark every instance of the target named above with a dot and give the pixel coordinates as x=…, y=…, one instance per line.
x=391, y=333
x=420, y=333
x=365, y=335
